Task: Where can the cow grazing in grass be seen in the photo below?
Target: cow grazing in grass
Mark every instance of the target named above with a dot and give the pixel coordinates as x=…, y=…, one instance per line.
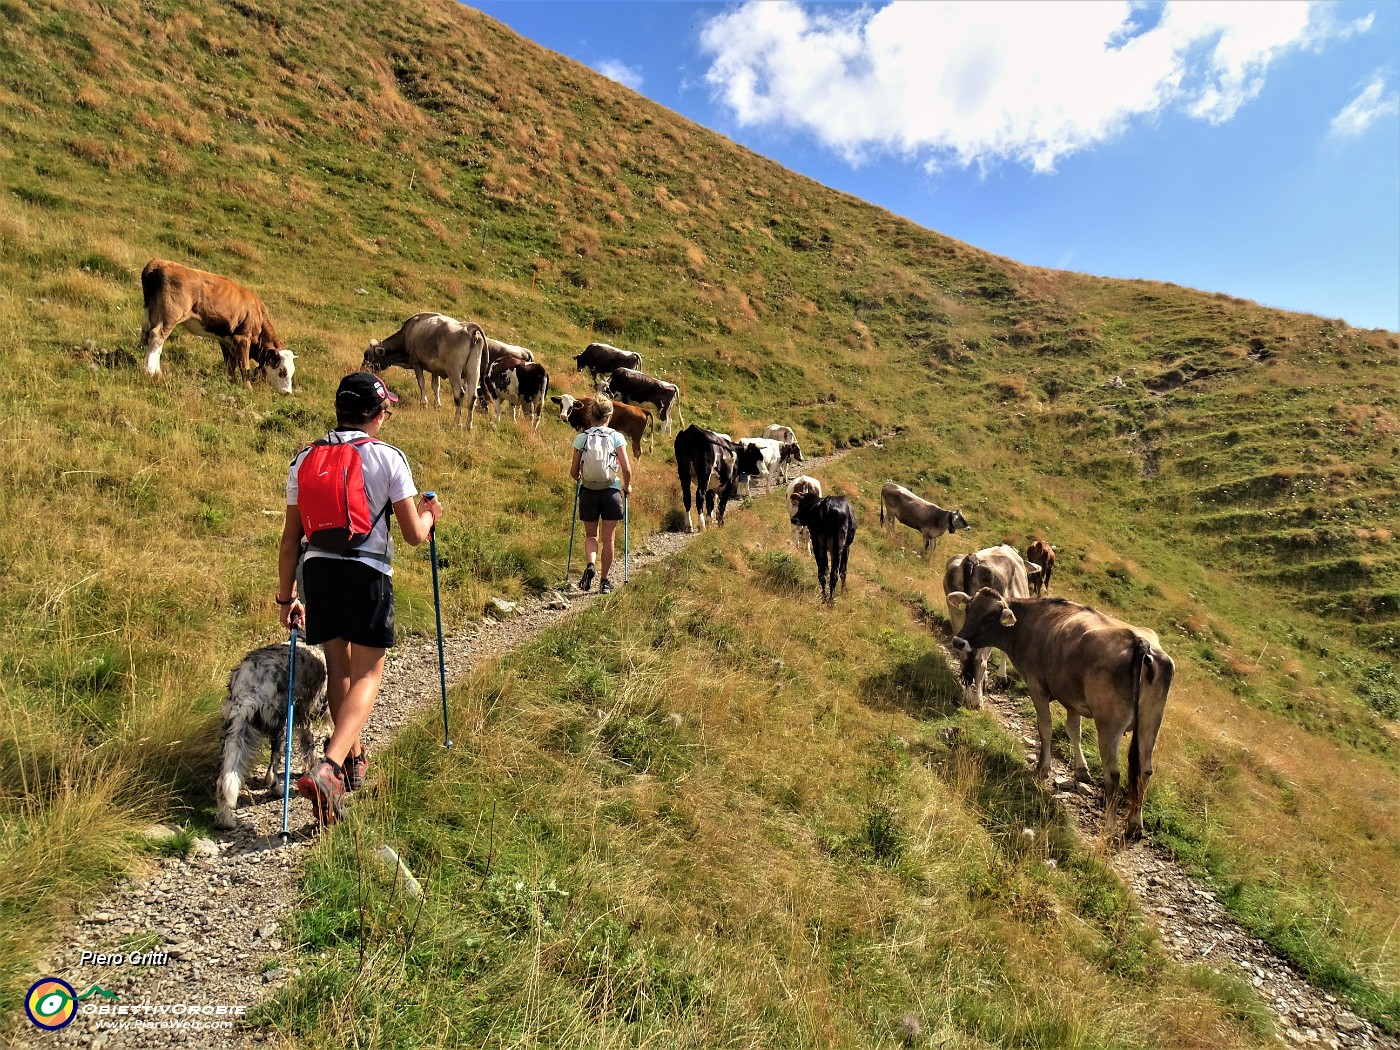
x=600, y=360
x=798, y=489
x=710, y=464
x=1041, y=554
x=637, y=388
x=831, y=524
x=626, y=420
x=1094, y=665
x=439, y=346
x=520, y=384
x=999, y=568
x=898, y=504
x=214, y=307
x=778, y=432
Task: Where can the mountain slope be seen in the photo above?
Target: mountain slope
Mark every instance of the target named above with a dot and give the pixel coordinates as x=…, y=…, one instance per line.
x=1218, y=470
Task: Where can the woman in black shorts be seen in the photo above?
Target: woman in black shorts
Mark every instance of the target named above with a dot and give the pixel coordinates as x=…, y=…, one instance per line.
x=602, y=487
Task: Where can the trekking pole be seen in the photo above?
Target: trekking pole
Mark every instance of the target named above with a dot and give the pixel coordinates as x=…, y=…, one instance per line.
x=437, y=611
x=573, y=524
x=625, y=501
x=286, y=835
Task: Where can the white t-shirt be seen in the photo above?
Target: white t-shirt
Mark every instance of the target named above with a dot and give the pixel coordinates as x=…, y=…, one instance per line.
x=387, y=480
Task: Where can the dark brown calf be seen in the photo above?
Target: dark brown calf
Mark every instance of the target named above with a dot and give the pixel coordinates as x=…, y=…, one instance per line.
x=1042, y=554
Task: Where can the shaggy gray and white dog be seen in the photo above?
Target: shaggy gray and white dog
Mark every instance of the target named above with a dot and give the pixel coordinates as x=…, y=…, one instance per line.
x=256, y=710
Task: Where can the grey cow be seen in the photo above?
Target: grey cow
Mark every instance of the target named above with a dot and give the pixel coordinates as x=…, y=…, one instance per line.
x=898, y=504
x=439, y=346
x=1094, y=665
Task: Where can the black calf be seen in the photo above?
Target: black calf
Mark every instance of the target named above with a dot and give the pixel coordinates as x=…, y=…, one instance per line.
x=832, y=527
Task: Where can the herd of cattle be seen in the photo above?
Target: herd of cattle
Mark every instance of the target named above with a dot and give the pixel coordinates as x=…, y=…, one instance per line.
x=1093, y=664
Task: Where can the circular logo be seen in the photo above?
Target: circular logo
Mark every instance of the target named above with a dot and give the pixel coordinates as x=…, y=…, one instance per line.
x=51, y=1003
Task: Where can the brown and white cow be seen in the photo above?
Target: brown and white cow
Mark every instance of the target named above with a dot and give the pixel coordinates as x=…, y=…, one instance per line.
x=637, y=388
x=999, y=568
x=778, y=432
x=1094, y=665
x=626, y=419
x=898, y=504
x=520, y=384
x=442, y=347
x=1042, y=554
x=799, y=488
x=214, y=307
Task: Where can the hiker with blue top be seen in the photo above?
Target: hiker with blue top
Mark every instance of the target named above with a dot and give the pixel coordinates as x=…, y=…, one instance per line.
x=604, y=476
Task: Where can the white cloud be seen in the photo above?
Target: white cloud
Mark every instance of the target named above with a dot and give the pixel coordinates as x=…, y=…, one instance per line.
x=982, y=83
x=1366, y=108
x=628, y=76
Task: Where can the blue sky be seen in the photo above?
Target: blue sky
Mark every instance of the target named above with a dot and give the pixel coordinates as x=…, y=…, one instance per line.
x=1249, y=148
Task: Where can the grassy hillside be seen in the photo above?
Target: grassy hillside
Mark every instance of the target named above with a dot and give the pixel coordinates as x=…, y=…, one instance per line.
x=1221, y=472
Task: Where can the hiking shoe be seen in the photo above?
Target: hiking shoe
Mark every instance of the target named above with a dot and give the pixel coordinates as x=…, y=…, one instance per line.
x=586, y=580
x=324, y=786
x=605, y=587
x=355, y=769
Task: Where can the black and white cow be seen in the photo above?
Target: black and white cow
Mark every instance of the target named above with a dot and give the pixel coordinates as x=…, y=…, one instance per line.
x=647, y=392
x=774, y=457
x=600, y=359
x=898, y=504
x=832, y=526
x=1001, y=569
x=711, y=464
x=522, y=385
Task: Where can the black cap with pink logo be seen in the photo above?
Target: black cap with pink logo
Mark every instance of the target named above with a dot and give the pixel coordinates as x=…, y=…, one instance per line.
x=362, y=392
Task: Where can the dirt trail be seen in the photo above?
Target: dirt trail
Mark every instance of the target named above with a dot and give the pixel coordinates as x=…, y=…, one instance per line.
x=1193, y=923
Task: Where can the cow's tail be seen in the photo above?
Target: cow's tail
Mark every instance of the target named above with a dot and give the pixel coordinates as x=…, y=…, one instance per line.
x=483, y=377
x=1147, y=670
x=968, y=567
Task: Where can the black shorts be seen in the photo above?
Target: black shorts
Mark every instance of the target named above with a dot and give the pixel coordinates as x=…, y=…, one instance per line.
x=349, y=600
x=599, y=503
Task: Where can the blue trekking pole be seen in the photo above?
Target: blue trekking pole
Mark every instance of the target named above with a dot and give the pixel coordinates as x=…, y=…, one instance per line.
x=569, y=565
x=287, y=756
x=625, y=501
x=437, y=610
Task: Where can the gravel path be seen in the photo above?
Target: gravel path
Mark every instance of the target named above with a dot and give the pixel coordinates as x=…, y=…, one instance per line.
x=212, y=921
x=207, y=927
x=1193, y=923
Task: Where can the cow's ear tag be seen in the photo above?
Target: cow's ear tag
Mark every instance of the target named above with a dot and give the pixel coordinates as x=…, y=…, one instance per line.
x=1008, y=618
x=957, y=599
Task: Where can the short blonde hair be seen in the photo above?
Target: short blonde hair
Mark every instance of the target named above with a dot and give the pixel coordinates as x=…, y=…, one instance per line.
x=599, y=412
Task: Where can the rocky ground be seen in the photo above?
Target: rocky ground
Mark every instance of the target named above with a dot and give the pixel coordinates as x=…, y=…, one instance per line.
x=215, y=917
x=1192, y=920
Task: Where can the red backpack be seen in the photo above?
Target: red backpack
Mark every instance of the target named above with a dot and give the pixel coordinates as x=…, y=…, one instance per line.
x=335, y=515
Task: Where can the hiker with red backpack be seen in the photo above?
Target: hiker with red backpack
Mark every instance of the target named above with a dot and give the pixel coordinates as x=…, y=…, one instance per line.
x=604, y=476
x=340, y=491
